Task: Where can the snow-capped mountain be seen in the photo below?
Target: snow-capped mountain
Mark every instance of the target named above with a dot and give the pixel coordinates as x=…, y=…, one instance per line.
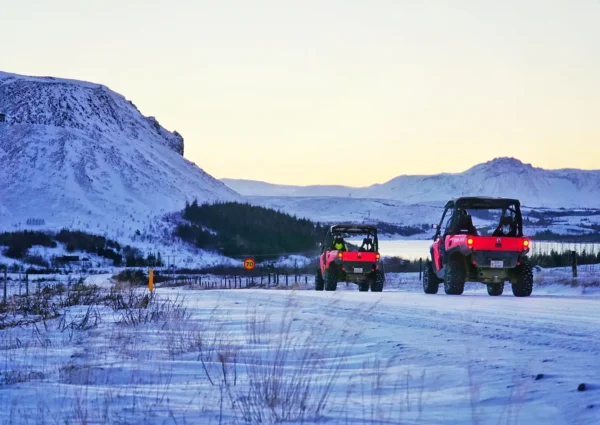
x=504, y=177
x=78, y=154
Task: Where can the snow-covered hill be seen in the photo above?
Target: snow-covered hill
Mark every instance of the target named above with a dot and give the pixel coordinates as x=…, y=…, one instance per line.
x=77, y=154
x=333, y=209
x=504, y=177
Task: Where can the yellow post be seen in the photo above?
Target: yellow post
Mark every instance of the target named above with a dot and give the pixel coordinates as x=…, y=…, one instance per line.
x=151, y=280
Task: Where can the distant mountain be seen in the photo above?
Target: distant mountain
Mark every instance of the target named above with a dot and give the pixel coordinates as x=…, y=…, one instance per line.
x=78, y=154
x=330, y=209
x=504, y=177
x=258, y=188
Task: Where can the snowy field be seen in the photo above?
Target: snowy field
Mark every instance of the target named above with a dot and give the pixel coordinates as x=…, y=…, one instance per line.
x=255, y=356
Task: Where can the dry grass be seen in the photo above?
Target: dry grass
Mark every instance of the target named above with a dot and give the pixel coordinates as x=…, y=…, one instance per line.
x=131, y=353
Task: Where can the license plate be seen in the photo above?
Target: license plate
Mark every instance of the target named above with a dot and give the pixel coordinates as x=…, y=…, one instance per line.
x=358, y=270
x=496, y=264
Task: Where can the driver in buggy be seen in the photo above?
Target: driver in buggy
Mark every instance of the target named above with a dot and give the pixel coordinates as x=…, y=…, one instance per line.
x=506, y=227
x=339, y=244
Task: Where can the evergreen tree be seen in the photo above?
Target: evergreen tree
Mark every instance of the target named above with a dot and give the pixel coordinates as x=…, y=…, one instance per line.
x=240, y=228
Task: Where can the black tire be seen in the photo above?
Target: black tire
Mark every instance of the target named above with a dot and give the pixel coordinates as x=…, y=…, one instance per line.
x=319, y=281
x=431, y=283
x=455, y=276
x=522, y=285
x=377, y=284
x=330, y=279
x=363, y=287
x=495, y=289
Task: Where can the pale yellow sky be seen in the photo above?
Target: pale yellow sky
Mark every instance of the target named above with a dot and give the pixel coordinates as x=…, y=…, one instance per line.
x=334, y=91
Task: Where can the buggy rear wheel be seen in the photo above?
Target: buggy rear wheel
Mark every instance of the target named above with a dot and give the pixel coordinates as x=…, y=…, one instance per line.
x=522, y=285
x=431, y=283
x=330, y=279
x=377, y=285
x=455, y=277
x=319, y=281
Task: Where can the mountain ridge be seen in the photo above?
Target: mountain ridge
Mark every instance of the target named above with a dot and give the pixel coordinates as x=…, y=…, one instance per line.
x=77, y=154
x=499, y=177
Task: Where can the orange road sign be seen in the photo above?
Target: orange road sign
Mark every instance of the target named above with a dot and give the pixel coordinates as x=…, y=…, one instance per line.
x=249, y=264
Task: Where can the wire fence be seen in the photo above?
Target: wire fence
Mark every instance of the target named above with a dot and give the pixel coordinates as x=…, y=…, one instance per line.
x=572, y=257
x=580, y=256
x=280, y=279
x=581, y=248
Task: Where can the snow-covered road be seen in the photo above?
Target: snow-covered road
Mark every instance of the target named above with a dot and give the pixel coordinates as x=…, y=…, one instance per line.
x=481, y=355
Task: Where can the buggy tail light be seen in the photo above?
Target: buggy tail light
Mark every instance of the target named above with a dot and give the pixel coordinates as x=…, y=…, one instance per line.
x=470, y=242
x=377, y=256
x=339, y=254
x=525, y=243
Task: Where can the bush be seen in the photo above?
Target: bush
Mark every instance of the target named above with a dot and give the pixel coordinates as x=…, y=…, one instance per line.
x=36, y=260
x=76, y=240
x=134, y=277
x=400, y=265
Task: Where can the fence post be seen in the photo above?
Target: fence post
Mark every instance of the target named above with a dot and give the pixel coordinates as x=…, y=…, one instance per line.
x=27, y=284
x=420, y=267
x=574, y=262
x=5, y=283
x=286, y=279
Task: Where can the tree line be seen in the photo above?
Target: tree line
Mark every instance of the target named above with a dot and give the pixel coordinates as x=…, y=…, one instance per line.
x=236, y=229
x=19, y=243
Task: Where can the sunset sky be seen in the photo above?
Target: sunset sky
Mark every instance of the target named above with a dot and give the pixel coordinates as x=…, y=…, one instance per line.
x=334, y=91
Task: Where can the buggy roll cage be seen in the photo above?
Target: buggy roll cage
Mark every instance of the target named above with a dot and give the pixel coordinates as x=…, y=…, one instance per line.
x=455, y=205
x=350, y=229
